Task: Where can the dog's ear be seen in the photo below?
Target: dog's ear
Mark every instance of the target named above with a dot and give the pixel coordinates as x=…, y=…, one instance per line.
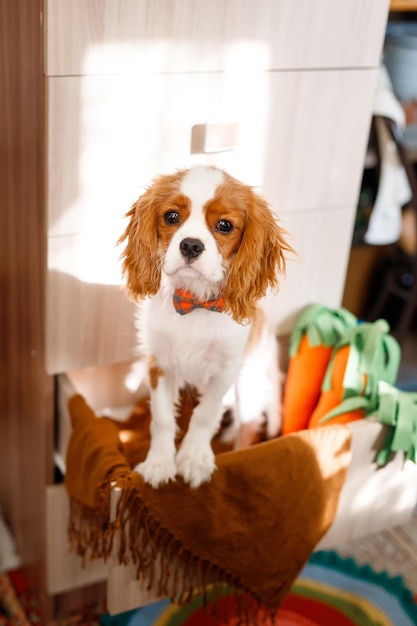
x=141, y=263
x=258, y=263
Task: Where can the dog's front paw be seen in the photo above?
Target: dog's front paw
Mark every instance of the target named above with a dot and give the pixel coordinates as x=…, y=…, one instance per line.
x=156, y=470
x=195, y=462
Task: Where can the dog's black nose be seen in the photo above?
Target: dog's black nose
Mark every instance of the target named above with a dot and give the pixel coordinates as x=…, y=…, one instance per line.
x=191, y=248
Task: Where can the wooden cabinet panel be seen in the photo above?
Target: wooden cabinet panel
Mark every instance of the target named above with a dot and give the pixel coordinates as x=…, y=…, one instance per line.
x=129, y=36
x=322, y=240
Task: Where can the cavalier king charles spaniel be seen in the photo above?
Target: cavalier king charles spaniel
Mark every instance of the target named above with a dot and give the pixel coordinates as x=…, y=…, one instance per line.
x=201, y=250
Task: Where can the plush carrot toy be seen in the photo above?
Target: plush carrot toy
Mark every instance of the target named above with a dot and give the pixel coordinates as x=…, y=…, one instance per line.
x=365, y=356
x=316, y=332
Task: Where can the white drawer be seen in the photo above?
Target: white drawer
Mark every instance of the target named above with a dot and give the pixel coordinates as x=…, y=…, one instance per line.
x=65, y=569
x=109, y=136
x=130, y=36
x=302, y=140
x=372, y=498
x=89, y=319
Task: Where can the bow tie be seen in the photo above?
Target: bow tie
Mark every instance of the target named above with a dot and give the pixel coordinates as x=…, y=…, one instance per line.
x=185, y=302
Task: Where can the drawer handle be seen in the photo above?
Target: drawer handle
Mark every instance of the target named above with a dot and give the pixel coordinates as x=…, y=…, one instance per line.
x=209, y=138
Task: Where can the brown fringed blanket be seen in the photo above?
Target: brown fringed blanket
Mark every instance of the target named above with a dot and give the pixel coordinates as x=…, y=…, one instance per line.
x=253, y=526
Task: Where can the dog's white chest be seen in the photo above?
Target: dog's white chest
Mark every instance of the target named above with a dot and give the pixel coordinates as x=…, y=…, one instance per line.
x=197, y=345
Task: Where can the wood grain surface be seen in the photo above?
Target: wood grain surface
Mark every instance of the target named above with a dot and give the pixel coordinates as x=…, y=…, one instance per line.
x=26, y=420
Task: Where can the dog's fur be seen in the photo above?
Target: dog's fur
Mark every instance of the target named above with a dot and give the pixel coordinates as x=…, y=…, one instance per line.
x=237, y=253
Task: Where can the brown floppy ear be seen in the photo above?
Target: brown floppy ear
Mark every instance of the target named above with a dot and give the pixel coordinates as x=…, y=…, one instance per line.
x=259, y=261
x=141, y=263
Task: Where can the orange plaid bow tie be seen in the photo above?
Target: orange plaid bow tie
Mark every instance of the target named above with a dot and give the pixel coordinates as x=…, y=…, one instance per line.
x=185, y=302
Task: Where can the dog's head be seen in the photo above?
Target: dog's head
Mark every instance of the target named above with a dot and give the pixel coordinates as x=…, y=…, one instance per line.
x=204, y=231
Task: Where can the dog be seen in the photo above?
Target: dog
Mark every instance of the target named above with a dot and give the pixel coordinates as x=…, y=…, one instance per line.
x=201, y=250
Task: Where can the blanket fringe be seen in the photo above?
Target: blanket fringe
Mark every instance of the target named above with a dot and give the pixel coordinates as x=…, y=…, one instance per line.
x=161, y=561
x=90, y=530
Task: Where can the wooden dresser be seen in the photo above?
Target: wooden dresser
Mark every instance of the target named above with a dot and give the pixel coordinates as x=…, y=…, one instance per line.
x=99, y=96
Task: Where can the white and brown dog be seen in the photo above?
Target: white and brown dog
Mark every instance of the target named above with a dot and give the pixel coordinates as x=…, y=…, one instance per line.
x=201, y=251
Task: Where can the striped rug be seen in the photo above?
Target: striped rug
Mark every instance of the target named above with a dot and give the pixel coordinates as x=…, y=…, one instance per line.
x=331, y=591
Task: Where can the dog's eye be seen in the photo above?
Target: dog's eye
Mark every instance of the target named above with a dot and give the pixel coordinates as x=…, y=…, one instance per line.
x=224, y=226
x=172, y=217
